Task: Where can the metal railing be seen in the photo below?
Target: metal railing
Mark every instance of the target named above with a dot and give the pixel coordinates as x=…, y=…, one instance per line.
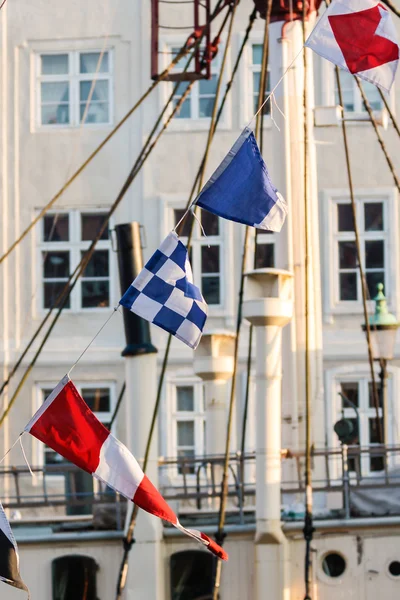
x=347, y=482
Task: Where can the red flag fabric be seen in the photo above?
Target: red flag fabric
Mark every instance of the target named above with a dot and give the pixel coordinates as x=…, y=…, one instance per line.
x=66, y=424
x=358, y=36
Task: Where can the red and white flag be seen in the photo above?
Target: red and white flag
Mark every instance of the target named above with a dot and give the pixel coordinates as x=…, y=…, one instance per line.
x=360, y=37
x=66, y=424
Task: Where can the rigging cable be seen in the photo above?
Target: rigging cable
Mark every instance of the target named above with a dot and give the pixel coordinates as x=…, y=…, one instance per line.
x=364, y=287
x=184, y=50
x=129, y=538
x=390, y=112
x=308, y=529
x=220, y=534
x=392, y=7
x=378, y=135
x=65, y=293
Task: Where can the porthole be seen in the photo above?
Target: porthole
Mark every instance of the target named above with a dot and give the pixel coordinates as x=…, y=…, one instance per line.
x=394, y=568
x=333, y=564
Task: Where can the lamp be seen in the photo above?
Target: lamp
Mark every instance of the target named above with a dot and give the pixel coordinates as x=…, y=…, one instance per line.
x=383, y=328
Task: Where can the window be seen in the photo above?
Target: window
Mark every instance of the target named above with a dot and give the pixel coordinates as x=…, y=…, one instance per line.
x=205, y=254
x=65, y=237
x=74, y=576
x=74, y=87
x=255, y=67
x=188, y=423
x=372, y=222
x=99, y=398
x=359, y=392
x=352, y=98
x=200, y=101
x=192, y=574
x=265, y=249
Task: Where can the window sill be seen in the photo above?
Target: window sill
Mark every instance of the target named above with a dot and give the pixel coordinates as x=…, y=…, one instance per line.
x=72, y=128
x=190, y=125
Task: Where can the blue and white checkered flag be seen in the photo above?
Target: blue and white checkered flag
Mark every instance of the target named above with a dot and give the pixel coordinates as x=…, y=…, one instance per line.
x=164, y=294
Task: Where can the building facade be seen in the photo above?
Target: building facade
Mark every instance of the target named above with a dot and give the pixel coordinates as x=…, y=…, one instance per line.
x=68, y=75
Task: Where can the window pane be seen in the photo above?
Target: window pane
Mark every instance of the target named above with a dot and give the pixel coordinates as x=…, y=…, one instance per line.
x=206, y=107
x=187, y=467
x=208, y=86
x=371, y=396
x=186, y=224
x=55, y=265
x=265, y=256
x=96, y=113
x=55, y=92
x=95, y=294
x=345, y=217
x=257, y=54
x=210, y=259
x=348, y=286
x=54, y=64
x=185, y=433
x=90, y=226
x=98, y=94
x=51, y=291
x=374, y=254
x=98, y=264
x=185, y=397
x=210, y=288
x=347, y=255
x=89, y=62
x=372, y=281
x=373, y=216
x=376, y=462
x=98, y=399
x=256, y=88
x=347, y=87
x=184, y=111
x=350, y=390
x=56, y=228
x=210, y=223
x=373, y=96
x=55, y=114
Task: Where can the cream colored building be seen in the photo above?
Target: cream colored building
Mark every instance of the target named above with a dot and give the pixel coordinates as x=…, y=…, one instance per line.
x=49, y=59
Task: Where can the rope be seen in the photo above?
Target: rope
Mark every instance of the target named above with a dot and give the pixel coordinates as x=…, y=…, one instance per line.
x=392, y=7
x=85, y=260
x=129, y=538
x=390, y=112
x=117, y=406
x=49, y=205
x=364, y=287
x=378, y=135
x=308, y=520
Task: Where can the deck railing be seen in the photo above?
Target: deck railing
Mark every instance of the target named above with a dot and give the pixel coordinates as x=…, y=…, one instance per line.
x=346, y=482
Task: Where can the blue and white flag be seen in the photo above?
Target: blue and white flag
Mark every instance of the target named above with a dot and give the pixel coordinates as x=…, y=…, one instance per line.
x=240, y=189
x=164, y=294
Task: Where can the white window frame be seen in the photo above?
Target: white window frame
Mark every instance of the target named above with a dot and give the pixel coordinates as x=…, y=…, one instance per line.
x=168, y=203
x=173, y=416
x=328, y=78
x=330, y=198
x=247, y=69
x=75, y=246
x=38, y=448
x=195, y=123
x=333, y=407
x=74, y=77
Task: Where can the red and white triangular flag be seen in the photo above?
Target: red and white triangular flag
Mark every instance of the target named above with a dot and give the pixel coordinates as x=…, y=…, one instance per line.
x=66, y=424
x=360, y=37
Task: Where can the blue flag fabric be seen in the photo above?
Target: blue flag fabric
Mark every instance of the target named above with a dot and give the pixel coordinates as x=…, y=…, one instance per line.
x=164, y=294
x=240, y=189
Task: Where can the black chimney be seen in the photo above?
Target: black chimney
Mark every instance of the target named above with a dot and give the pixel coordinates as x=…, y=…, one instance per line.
x=130, y=263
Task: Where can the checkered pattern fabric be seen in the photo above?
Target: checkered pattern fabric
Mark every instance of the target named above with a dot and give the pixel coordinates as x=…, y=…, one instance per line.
x=164, y=294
